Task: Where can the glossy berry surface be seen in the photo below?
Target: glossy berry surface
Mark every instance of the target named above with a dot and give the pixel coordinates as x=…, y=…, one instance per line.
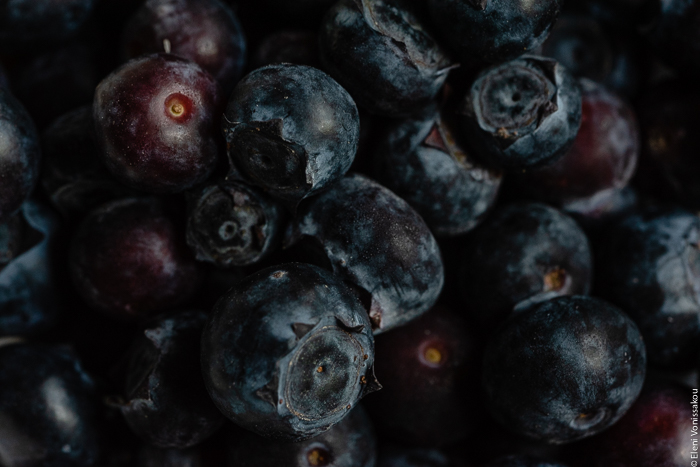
x=493, y=30
x=350, y=443
x=564, y=370
x=155, y=120
x=20, y=154
x=655, y=432
x=233, y=224
x=291, y=130
x=523, y=113
x=30, y=24
x=206, y=32
x=602, y=159
x=74, y=177
x=523, y=254
x=166, y=402
x=383, y=55
x=49, y=408
x=129, y=259
x=29, y=299
x=429, y=370
x=372, y=238
x=421, y=160
x=651, y=270
x=288, y=351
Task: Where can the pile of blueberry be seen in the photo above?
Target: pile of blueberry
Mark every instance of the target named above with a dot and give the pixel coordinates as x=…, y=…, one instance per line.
x=349, y=233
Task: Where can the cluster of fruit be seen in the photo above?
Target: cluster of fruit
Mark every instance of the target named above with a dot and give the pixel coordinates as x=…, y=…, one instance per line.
x=349, y=233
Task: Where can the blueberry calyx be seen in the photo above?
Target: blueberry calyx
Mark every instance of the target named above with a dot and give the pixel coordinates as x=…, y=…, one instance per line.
x=478, y=4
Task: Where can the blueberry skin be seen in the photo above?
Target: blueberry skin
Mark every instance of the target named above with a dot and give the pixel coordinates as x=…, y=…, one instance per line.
x=523, y=254
x=166, y=402
x=564, y=370
x=350, y=443
x=32, y=24
x=188, y=25
x=49, y=408
x=150, y=456
x=233, y=224
x=523, y=113
x=373, y=239
x=29, y=299
x=382, y=54
x=291, y=130
x=20, y=154
x=651, y=269
x=420, y=160
x=73, y=176
x=675, y=35
x=288, y=351
x=518, y=461
x=493, y=30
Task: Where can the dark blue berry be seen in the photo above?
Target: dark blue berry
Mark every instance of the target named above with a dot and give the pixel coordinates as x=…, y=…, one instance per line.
x=564, y=370
x=288, y=351
x=381, y=52
x=20, y=154
x=422, y=161
x=165, y=402
x=523, y=113
x=291, y=130
x=373, y=239
x=651, y=269
x=48, y=407
x=493, y=30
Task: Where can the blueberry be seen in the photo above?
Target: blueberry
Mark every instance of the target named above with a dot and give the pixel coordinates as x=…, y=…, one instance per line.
x=520, y=461
x=651, y=269
x=288, y=352
x=206, y=32
x=523, y=113
x=166, y=403
x=291, y=130
x=31, y=24
x=564, y=370
x=73, y=175
x=675, y=33
x=232, y=224
x=429, y=372
x=525, y=253
x=155, y=120
x=296, y=46
x=29, y=298
x=48, y=408
x=591, y=48
x=350, y=443
x=421, y=161
x=653, y=433
x=373, y=239
x=20, y=155
x=381, y=52
x=601, y=161
x=493, y=30
x=129, y=259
